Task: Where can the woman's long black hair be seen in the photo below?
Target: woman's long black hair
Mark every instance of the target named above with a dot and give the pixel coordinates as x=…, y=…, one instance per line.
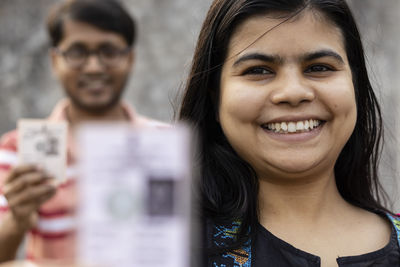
x=228, y=184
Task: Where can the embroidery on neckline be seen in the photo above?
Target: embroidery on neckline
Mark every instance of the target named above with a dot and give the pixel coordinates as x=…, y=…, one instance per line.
x=222, y=235
x=396, y=223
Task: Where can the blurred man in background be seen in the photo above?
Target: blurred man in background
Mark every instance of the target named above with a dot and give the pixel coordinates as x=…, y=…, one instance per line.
x=92, y=56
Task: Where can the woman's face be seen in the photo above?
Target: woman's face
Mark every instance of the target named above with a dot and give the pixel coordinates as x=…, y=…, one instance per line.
x=287, y=103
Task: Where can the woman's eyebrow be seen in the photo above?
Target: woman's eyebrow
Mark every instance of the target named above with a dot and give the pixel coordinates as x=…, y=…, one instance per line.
x=276, y=59
x=322, y=53
x=258, y=56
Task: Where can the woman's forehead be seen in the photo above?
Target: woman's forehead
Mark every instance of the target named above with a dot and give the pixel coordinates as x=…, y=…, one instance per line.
x=280, y=34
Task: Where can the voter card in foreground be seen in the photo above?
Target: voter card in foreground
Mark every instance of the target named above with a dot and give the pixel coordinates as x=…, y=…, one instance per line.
x=43, y=143
x=135, y=196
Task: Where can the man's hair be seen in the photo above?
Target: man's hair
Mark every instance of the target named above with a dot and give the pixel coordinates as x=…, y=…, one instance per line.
x=107, y=15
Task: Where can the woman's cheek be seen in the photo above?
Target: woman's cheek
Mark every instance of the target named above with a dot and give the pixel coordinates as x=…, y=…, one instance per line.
x=242, y=103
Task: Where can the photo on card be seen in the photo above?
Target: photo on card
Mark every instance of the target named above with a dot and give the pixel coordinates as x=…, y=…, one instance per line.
x=161, y=197
x=43, y=143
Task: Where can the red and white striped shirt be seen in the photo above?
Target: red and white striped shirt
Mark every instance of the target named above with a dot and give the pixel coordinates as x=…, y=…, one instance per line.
x=53, y=238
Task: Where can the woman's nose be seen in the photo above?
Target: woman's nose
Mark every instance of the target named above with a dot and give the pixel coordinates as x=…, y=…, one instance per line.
x=292, y=88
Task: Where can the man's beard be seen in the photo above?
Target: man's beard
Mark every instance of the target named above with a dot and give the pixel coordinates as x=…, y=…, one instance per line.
x=98, y=108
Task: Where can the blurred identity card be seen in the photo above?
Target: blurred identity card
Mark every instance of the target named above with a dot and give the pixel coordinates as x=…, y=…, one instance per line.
x=43, y=143
x=134, y=190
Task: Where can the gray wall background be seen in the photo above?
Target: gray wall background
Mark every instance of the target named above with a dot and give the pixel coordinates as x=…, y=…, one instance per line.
x=378, y=23
x=167, y=33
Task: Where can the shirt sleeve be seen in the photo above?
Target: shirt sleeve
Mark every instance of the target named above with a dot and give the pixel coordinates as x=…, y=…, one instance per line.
x=8, y=159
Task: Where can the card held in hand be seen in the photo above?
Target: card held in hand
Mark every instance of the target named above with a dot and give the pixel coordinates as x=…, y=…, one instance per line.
x=43, y=143
x=135, y=196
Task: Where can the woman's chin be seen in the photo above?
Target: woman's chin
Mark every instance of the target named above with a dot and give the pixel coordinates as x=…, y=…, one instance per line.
x=290, y=171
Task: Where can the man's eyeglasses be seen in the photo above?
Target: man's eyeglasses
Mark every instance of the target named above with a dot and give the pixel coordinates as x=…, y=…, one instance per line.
x=109, y=56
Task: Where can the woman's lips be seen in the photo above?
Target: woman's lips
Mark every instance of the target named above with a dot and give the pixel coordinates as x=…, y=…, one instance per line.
x=292, y=127
x=294, y=131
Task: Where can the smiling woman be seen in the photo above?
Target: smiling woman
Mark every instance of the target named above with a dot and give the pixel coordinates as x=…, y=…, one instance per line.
x=298, y=73
x=289, y=138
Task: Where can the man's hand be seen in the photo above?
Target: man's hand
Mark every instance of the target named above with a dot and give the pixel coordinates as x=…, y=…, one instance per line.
x=26, y=189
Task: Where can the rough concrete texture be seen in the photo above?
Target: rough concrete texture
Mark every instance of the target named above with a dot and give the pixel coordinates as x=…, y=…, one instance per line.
x=167, y=33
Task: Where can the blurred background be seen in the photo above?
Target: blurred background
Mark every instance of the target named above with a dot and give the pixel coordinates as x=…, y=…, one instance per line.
x=168, y=30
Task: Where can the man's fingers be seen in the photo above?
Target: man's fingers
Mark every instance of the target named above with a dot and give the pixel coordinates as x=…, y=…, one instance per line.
x=22, y=212
x=20, y=170
x=25, y=209
x=44, y=198
x=32, y=195
x=25, y=181
x=25, y=216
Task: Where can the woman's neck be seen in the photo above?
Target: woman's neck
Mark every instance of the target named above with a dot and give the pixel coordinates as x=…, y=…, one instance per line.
x=308, y=201
x=313, y=217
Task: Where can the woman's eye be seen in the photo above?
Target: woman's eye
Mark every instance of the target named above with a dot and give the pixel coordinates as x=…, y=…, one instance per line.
x=257, y=71
x=318, y=68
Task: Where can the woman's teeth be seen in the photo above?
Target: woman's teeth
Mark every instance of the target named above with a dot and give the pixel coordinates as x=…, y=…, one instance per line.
x=292, y=127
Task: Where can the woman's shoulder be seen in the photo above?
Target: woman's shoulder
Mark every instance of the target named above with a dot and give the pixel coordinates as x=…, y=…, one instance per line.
x=395, y=222
x=380, y=218
x=378, y=226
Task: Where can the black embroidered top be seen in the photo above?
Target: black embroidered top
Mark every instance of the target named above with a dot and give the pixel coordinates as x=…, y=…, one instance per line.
x=268, y=250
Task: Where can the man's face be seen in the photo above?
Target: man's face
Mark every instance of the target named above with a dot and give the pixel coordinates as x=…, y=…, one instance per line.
x=95, y=84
